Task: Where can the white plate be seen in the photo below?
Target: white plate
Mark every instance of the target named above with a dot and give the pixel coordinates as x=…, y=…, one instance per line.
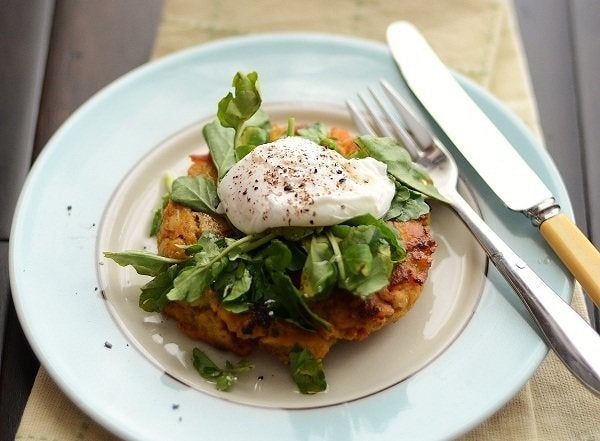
x=54, y=255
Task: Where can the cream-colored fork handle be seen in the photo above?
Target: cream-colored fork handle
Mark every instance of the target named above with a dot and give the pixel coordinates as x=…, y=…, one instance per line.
x=576, y=252
x=575, y=342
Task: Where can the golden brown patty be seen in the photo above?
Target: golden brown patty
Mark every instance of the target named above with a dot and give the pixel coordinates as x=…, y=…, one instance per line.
x=351, y=317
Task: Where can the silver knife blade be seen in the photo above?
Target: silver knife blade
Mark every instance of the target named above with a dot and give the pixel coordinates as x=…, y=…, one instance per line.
x=491, y=154
x=465, y=124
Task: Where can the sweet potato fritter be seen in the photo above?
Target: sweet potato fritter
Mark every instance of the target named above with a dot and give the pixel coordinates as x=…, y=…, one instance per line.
x=351, y=317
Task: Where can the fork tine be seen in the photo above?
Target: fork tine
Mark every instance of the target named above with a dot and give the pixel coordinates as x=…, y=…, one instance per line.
x=398, y=129
x=414, y=125
x=430, y=147
x=360, y=121
x=384, y=129
x=387, y=123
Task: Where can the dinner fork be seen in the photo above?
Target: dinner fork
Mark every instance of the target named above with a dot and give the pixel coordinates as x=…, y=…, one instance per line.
x=575, y=342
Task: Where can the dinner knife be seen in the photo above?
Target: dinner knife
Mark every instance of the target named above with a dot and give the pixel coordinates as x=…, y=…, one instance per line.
x=490, y=153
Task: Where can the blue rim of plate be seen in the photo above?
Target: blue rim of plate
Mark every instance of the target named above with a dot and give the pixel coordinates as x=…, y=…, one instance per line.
x=56, y=294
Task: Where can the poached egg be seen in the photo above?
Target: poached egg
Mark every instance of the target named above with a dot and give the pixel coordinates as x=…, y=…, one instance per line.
x=295, y=182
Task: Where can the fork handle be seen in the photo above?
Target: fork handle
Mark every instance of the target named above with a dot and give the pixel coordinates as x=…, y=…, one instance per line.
x=564, y=330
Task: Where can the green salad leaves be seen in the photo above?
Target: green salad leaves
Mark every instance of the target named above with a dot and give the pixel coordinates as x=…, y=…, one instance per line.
x=240, y=125
x=276, y=274
x=224, y=378
x=399, y=164
x=357, y=256
x=307, y=372
x=196, y=192
x=255, y=270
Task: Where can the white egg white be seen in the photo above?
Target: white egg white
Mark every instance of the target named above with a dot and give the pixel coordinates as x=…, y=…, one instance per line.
x=296, y=182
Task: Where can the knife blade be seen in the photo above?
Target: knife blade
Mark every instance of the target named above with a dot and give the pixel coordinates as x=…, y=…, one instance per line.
x=490, y=153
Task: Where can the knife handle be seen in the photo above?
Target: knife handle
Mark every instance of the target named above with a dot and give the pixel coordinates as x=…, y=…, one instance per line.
x=575, y=250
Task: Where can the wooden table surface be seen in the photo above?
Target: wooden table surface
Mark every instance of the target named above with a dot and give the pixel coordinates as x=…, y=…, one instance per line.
x=57, y=54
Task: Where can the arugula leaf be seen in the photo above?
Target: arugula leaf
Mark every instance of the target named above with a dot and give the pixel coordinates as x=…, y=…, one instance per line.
x=240, y=285
x=234, y=111
x=158, y=213
x=319, y=134
x=254, y=135
x=156, y=221
x=240, y=125
x=316, y=132
x=251, y=137
x=357, y=258
x=364, y=258
x=208, y=241
x=261, y=280
x=224, y=378
x=221, y=146
x=276, y=256
x=274, y=292
x=188, y=279
x=242, y=150
x=319, y=274
x=369, y=270
x=233, y=283
x=210, y=261
x=399, y=163
x=255, y=132
x=289, y=304
x=298, y=256
x=406, y=205
x=213, y=256
x=145, y=263
x=190, y=283
x=195, y=192
x=307, y=372
x=154, y=293
x=389, y=233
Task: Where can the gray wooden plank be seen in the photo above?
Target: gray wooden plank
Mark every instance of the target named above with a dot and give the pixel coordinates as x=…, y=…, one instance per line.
x=4, y=293
x=546, y=34
x=24, y=35
x=93, y=42
x=585, y=25
x=585, y=19
x=559, y=36
x=19, y=364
